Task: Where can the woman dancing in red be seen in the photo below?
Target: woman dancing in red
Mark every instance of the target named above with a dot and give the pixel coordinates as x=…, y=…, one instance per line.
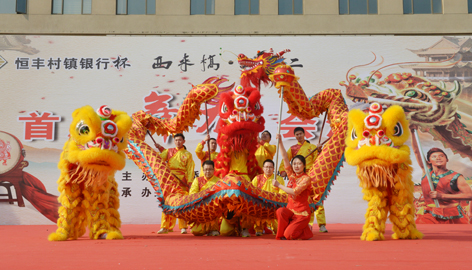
x=293, y=220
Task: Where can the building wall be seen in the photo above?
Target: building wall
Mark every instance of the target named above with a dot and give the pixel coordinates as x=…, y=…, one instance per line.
x=320, y=17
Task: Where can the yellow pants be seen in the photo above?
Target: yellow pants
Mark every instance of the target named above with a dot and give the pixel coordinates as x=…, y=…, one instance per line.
x=320, y=216
x=202, y=229
x=229, y=227
x=168, y=222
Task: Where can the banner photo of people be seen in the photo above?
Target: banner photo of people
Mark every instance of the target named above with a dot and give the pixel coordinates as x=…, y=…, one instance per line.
x=45, y=79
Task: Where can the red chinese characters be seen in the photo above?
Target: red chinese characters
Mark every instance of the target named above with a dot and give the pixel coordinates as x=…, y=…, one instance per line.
x=290, y=123
x=39, y=126
x=158, y=105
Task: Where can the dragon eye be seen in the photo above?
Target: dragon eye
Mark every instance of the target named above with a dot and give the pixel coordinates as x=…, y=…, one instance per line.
x=416, y=94
x=353, y=134
x=411, y=93
x=224, y=108
x=257, y=106
x=398, y=130
x=84, y=130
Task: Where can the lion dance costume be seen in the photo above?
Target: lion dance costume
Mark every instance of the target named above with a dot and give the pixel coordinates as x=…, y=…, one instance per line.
x=90, y=158
x=375, y=144
x=240, y=122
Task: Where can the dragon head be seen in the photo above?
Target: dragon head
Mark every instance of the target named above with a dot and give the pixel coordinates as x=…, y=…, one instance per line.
x=375, y=142
x=426, y=104
x=97, y=140
x=258, y=69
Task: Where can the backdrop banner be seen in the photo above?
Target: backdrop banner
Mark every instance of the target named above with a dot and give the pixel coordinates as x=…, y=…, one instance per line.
x=45, y=78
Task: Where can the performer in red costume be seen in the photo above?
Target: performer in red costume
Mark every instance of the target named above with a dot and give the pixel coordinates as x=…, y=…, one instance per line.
x=450, y=190
x=293, y=220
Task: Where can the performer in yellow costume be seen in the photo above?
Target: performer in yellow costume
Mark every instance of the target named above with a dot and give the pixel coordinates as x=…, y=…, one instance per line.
x=200, y=184
x=180, y=163
x=265, y=151
x=203, y=155
x=264, y=182
x=306, y=149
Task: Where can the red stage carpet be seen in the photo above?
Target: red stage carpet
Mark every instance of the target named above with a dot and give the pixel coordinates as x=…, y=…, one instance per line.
x=444, y=247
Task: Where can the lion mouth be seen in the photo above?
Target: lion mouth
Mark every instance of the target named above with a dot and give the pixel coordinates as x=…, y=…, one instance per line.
x=100, y=163
x=105, y=145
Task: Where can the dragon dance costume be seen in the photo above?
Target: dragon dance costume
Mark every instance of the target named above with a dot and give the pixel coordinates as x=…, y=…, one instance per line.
x=240, y=122
x=443, y=183
x=181, y=165
x=294, y=219
x=203, y=155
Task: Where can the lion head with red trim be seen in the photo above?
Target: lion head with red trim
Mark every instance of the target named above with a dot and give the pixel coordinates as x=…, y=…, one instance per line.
x=240, y=123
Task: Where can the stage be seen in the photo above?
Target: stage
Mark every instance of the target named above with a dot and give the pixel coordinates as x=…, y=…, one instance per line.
x=444, y=247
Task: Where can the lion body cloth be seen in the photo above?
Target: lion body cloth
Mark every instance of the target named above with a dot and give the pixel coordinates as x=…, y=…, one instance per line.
x=375, y=143
x=88, y=190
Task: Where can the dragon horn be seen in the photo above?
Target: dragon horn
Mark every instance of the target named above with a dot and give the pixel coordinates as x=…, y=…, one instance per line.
x=215, y=100
x=279, y=54
x=442, y=85
x=457, y=89
x=211, y=80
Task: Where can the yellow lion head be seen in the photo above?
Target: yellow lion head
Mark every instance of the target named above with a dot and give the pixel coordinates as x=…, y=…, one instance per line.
x=375, y=141
x=96, y=143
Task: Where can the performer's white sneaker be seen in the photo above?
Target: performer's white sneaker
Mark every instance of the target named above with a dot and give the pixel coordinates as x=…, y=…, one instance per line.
x=245, y=233
x=163, y=231
x=323, y=229
x=183, y=231
x=213, y=233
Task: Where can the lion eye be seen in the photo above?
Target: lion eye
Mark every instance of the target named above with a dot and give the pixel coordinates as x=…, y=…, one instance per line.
x=257, y=106
x=84, y=130
x=224, y=108
x=398, y=130
x=353, y=134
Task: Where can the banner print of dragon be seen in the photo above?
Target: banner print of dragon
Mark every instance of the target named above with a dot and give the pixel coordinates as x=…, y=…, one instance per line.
x=240, y=122
x=429, y=106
